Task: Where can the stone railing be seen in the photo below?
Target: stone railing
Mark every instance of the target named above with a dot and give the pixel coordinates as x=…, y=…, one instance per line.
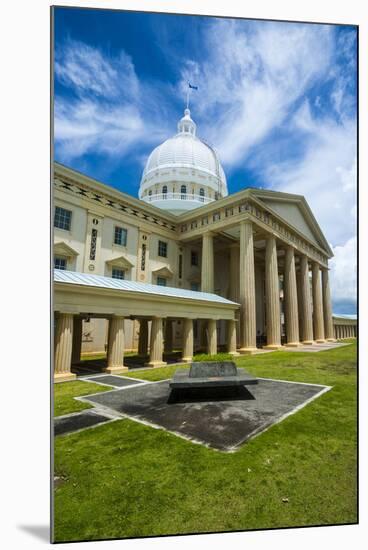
x=177, y=197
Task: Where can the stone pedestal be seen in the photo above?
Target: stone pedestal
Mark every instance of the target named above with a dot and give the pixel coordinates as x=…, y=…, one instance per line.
x=207, y=273
x=247, y=291
x=156, y=345
x=291, y=300
x=273, y=321
x=318, y=323
x=115, y=347
x=63, y=348
x=187, y=341
x=212, y=337
x=306, y=303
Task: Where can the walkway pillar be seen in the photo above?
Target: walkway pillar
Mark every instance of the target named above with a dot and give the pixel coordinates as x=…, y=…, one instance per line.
x=273, y=321
x=212, y=337
x=156, y=345
x=207, y=275
x=143, y=338
x=77, y=339
x=63, y=348
x=231, y=337
x=168, y=335
x=306, y=306
x=234, y=283
x=115, y=346
x=291, y=299
x=247, y=291
x=318, y=322
x=187, y=341
x=327, y=309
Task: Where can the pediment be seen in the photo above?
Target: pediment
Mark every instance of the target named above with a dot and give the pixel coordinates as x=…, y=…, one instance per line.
x=63, y=249
x=163, y=272
x=295, y=211
x=120, y=261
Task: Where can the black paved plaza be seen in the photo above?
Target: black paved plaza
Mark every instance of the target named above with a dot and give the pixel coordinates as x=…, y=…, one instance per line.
x=222, y=420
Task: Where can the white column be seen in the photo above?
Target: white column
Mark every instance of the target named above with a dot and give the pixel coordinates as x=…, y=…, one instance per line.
x=156, y=346
x=207, y=279
x=143, y=338
x=273, y=320
x=115, y=346
x=234, y=284
x=291, y=299
x=231, y=337
x=212, y=337
x=247, y=291
x=306, y=305
x=327, y=309
x=187, y=341
x=63, y=348
x=318, y=322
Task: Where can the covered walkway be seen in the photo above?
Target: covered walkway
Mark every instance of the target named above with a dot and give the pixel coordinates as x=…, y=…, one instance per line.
x=80, y=295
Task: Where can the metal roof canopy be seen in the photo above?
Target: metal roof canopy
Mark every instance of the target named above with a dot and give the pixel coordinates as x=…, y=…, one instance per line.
x=94, y=294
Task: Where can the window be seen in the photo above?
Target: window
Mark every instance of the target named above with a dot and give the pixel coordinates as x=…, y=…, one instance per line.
x=164, y=191
x=194, y=286
x=118, y=273
x=180, y=266
x=183, y=191
x=120, y=236
x=62, y=218
x=162, y=249
x=59, y=263
x=201, y=194
x=161, y=281
x=194, y=257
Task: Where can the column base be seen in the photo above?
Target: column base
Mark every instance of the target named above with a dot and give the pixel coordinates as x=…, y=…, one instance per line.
x=307, y=342
x=115, y=370
x=273, y=347
x=331, y=340
x=247, y=351
x=186, y=360
x=293, y=345
x=320, y=341
x=155, y=364
x=64, y=376
x=233, y=353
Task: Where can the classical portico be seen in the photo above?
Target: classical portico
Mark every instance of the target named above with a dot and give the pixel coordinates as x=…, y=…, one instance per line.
x=277, y=273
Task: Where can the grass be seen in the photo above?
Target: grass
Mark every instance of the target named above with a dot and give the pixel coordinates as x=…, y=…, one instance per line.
x=65, y=392
x=125, y=479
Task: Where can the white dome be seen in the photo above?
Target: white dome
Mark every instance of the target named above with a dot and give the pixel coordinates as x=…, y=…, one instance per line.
x=183, y=168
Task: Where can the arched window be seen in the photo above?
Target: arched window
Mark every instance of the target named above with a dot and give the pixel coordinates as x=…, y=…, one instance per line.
x=183, y=191
x=149, y=193
x=201, y=194
x=164, y=191
x=216, y=196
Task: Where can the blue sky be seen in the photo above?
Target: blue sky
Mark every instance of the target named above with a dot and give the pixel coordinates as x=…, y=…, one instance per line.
x=277, y=101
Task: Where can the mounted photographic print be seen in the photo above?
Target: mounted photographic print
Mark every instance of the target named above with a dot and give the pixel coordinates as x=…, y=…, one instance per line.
x=204, y=274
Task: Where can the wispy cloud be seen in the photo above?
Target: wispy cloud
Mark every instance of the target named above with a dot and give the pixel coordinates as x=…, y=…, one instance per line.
x=108, y=110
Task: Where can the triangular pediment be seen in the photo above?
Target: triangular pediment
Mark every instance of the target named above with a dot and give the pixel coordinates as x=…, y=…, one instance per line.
x=295, y=211
x=120, y=261
x=163, y=272
x=63, y=249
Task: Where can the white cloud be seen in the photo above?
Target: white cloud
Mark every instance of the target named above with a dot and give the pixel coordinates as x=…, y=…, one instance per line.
x=110, y=113
x=344, y=276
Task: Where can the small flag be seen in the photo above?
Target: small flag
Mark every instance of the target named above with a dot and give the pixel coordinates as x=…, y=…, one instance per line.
x=192, y=87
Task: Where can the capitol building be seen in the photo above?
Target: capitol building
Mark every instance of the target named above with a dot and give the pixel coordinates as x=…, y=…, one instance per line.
x=185, y=266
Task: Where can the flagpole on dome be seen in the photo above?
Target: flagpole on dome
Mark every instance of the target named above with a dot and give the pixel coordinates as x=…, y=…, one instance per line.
x=190, y=87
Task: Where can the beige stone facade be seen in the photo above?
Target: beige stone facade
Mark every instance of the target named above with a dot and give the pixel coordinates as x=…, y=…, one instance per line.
x=260, y=249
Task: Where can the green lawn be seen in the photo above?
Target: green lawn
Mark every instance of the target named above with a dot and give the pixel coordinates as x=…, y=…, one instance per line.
x=124, y=479
x=64, y=393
